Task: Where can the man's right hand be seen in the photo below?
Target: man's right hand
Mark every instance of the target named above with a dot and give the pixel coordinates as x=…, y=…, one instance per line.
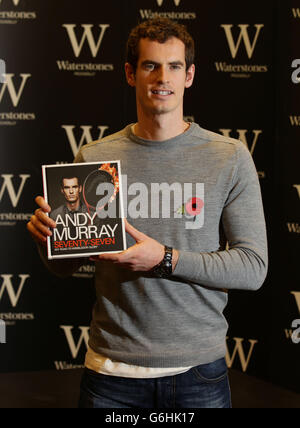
x=40, y=224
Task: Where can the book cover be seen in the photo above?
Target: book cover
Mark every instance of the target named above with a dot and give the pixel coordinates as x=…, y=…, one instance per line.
x=86, y=204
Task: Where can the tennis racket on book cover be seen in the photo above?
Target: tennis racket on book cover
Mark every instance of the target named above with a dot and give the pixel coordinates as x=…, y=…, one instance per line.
x=97, y=183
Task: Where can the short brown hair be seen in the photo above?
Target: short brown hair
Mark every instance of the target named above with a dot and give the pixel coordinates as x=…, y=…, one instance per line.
x=160, y=30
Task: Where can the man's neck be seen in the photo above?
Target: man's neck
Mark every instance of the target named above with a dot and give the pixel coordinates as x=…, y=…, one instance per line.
x=160, y=128
x=73, y=206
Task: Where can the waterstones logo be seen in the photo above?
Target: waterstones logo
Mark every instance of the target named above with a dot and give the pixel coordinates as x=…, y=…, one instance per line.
x=13, y=16
x=80, y=40
x=12, y=289
x=9, y=86
x=297, y=187
x=295, y=227
x=240, y=350
x=174, y=14
x=160, y=2
x=85, y=271
x=295, y=120
x=86, y=35
x=243, y=36
x=12, y=91
x=15, y=2
x=75, y=344
x=9, y=188
x=86, y=136
x=7, y=285
x=11, y=192
x=296, y=12
x=243, y=39
x=296, y=294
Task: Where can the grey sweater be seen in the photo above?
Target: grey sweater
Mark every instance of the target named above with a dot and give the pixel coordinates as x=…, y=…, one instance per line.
x=178, y=322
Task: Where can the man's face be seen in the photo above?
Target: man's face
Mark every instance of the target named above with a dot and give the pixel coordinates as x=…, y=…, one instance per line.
x=71, y=190
x=161, y=76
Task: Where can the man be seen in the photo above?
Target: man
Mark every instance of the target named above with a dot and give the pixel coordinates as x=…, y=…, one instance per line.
x=158, y=335
x=71, y=190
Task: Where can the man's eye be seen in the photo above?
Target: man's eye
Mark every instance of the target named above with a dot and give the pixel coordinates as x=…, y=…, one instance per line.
x=149, y=67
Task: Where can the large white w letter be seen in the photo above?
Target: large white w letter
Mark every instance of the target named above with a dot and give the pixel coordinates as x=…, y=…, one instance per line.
x=7, y=184
x=87, y=34
x=7, y=284
x=176, y=2
x=234, y=47
x=9, y=84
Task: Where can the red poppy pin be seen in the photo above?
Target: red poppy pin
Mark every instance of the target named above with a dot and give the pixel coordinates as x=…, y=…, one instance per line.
x=193, y=207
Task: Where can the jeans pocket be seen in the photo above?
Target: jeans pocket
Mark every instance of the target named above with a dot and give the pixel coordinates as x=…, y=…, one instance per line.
x=212, y=372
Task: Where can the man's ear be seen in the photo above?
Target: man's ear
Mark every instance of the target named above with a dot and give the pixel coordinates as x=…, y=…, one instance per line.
x=190, y=76
x=130, y=74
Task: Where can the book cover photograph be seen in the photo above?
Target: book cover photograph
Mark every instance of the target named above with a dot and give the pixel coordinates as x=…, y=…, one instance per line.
x=86, y=204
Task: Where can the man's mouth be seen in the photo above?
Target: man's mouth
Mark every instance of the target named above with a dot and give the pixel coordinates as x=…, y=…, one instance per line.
x=162, y=92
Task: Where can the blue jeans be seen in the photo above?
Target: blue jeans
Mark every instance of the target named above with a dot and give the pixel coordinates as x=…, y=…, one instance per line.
x=204, y=386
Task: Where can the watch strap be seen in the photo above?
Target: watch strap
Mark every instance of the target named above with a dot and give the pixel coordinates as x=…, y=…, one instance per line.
x=165, y=268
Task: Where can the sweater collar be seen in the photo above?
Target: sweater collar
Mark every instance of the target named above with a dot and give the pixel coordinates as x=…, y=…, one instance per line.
x=159, y=144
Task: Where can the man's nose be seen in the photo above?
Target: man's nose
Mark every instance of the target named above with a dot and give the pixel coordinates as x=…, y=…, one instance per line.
x=163, y=75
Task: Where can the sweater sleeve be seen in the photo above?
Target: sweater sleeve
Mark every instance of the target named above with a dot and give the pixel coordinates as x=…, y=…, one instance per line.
x=244, y=265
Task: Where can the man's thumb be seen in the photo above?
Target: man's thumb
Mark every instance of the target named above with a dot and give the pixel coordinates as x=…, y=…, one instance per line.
x=134, y=233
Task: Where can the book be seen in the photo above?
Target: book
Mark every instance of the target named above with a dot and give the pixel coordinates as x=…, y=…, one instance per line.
x=86, y=204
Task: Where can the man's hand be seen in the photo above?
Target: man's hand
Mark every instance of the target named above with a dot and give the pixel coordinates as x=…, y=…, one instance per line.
x=40, y=224
x=142, y=257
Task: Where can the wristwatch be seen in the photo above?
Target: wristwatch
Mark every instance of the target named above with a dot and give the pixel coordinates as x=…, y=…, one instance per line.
x=165, y=268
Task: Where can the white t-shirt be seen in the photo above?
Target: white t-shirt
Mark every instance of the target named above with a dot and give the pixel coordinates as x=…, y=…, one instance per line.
x=103, y=365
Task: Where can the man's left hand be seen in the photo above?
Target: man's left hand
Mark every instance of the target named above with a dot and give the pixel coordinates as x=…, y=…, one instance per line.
x=141, y=257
